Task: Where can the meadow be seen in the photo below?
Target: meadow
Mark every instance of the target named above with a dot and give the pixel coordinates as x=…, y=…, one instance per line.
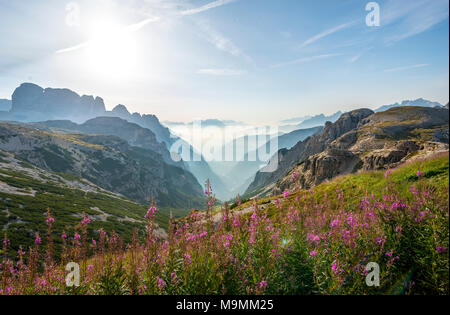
x=299, y=243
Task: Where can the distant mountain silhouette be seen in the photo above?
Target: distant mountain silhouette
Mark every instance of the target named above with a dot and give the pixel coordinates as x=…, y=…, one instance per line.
x=5, y=105
x=295, y=120
x=207, y=123
x=315, y=121
x=31, y=103
x=418, y=102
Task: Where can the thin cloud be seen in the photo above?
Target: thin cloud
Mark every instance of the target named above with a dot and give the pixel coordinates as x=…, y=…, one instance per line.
x=305, y=60
x=358, y=56
x=355, y=58
x=127, y=29
x=326, y=33
x=413, y=17
x=207, y=7
x=407, y=67
x=219, y=41
x=222, y=72
x=76, y=47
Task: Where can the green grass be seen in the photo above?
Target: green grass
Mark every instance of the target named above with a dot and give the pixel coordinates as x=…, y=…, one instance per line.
x=436, y=172
x=27, y=213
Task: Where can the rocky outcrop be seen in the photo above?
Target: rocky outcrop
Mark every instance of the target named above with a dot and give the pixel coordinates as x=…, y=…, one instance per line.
x=311, y=146
x=380, y=141
x=134, y=134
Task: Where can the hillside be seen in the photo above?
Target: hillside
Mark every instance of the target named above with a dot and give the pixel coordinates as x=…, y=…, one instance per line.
x=134, y=134
x=27, y=191
x=107, y=161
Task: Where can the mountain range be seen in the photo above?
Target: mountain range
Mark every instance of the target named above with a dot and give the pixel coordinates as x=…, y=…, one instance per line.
x=311, y=122
x=418, y=102
x=32, y=103
x=69, y=118
x=358, y=140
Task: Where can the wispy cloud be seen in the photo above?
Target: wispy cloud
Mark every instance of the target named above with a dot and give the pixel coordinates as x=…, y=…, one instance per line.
x=305, y=60
x=413, y=17
x=358, y=56
x=325, y=34
x=222, y=72
x=218, y=40
x=355, y=58
x=207, y=7
x=407, y=67
x=127, y=29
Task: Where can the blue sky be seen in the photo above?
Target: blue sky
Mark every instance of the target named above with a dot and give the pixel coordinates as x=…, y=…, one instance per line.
x=257, y=61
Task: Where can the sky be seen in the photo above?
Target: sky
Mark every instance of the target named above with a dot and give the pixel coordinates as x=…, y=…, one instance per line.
x=258, y=61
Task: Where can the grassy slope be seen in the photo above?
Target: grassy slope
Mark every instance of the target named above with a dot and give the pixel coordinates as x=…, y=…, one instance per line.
x=26, y=214
x=354, y=186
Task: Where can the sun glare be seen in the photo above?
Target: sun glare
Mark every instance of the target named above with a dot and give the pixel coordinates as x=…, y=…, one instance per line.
x=112, y=50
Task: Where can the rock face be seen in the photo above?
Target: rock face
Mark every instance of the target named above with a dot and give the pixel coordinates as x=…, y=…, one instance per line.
x=380, y=141
x=311, y=146
x=107, y=161
x=134, y=134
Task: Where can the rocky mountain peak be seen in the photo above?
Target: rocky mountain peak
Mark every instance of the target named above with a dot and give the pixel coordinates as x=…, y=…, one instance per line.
x=121, y=111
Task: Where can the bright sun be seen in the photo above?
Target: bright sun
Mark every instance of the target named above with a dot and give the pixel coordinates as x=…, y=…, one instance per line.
x=112, y=50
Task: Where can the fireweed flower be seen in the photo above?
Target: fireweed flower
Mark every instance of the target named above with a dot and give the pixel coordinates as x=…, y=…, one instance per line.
x=335, y=268
x=294, y=176
x=150, y=212
x=161, y=283
x=441, y=250
x=90, y=267
x=313, y=253
x=387, y=173
x=335, y=223
x=37, y=240
x=77, y=237
x=86, y=221
x=419, y=174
